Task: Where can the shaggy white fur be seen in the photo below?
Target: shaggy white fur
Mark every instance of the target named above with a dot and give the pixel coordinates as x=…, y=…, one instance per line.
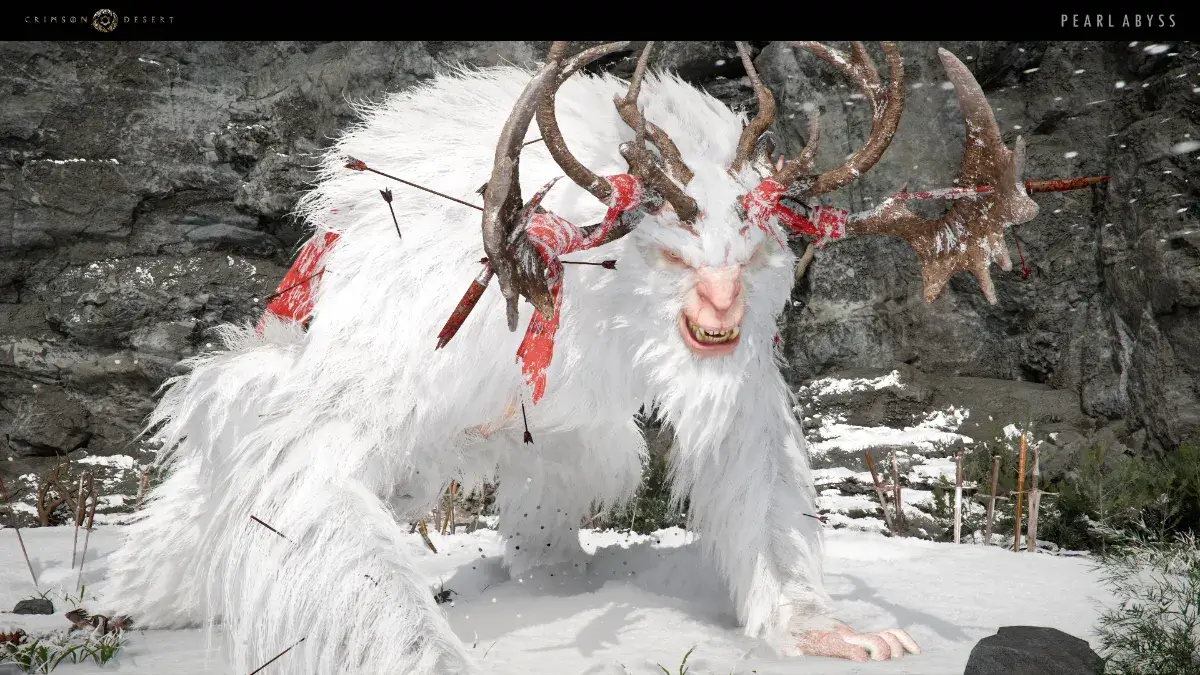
x=338, y=435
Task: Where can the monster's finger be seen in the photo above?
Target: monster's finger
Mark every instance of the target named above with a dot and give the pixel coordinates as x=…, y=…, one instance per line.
x=894, y=644
x=910, y=645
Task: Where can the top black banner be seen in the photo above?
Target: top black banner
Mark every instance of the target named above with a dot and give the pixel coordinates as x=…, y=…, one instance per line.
x=49, y=20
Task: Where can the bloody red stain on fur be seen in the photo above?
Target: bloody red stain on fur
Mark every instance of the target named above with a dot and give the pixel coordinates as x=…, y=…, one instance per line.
x=293, y=299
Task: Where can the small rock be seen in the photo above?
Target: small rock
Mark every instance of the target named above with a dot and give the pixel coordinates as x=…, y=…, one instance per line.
x=1033, y=650
x=34, y=606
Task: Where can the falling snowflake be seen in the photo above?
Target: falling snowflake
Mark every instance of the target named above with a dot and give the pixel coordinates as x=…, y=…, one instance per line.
x=1071, y=155
x=1030, y=70
x=947, y=86
x=1155, y=49
x=1120, y=84
x=1185, y=147
x=1080, y=71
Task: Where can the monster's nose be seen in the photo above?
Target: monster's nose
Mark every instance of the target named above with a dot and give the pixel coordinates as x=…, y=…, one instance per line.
x=720, y=287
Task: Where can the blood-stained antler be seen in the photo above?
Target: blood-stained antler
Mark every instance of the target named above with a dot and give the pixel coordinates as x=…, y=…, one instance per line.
x=641, y=162
x=968, y=237
x=971, y=235
x=502, y=198
x=520, y=269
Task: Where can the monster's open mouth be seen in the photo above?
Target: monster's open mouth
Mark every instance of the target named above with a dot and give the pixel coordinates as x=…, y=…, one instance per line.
x=708, y=341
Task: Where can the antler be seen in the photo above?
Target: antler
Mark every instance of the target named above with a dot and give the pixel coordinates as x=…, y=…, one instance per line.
x=968, y=237
x=762, y=119
x=641, y=162
x=522, y=273
x=502, y=196
x=971, y=235
x=887, y=105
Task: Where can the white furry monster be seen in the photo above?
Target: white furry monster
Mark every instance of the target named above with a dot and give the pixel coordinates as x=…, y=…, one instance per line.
x=338, y=434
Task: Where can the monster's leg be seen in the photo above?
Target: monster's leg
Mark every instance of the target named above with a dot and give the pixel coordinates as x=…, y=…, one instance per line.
x=752, y=498
x=547, y=487
x=342, y=579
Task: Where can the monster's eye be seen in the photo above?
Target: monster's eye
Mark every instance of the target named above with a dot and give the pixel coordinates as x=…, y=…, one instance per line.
x=671, y=256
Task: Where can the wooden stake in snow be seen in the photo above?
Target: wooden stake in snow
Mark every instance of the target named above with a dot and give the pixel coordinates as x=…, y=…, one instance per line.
x=424, y=530
x=86, y=536
x=991, y=514
x=145, y=482
x=448, y=524
x=12, y=515
x=80, y=503
x=887, y=517
x=899, y=501
x=1020, y=491
x=958, y=481
x=1035, y=500
x=437, y=515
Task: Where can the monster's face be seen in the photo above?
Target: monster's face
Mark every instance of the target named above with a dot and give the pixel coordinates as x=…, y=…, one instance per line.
x=718, y=269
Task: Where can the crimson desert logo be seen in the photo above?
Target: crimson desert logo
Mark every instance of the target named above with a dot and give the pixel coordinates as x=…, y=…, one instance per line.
x=104, y=20
x=1118, y=20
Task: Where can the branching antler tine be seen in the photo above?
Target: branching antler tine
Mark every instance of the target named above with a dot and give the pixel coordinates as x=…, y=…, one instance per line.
x=641, y=163
x=762, y=120
x=627, y=108
x=887, y=105
x=583, y=58
x=552, y=136
x=808, y=156
x=502, y=199
x=865, y=68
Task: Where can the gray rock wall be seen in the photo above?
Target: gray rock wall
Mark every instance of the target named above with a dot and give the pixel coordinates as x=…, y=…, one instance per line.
x=145, y=190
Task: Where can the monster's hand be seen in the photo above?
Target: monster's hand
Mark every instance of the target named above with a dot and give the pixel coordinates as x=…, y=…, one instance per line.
x=843, y=642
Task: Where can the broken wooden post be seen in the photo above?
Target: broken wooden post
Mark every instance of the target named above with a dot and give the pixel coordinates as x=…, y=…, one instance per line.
x=958, y=487
x=86, y=536
x=896, y=487
x=437, y=513
x=887, y=518
x=991, y=509
x=1020, y=492
x=448, y=523
x=1035, y=500
x=424, y=530
x=80, y=510
x=142, y=485
x=13, y=517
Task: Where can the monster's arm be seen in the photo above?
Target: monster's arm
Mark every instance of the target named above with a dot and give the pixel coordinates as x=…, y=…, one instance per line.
x=750, y=488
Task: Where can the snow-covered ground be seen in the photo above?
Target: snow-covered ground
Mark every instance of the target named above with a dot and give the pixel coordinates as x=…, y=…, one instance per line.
x=644, y=600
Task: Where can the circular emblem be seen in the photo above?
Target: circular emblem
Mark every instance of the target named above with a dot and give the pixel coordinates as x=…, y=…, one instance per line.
x=104, y=21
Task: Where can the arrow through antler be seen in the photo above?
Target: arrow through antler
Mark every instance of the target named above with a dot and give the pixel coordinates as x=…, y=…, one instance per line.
x=970, y=236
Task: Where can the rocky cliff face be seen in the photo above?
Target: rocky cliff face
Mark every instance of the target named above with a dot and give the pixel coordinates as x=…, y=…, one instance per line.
x=145, y=191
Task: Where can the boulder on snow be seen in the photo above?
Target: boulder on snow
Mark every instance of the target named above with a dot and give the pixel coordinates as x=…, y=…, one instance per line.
x=1033, y=650
x=34, y=606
